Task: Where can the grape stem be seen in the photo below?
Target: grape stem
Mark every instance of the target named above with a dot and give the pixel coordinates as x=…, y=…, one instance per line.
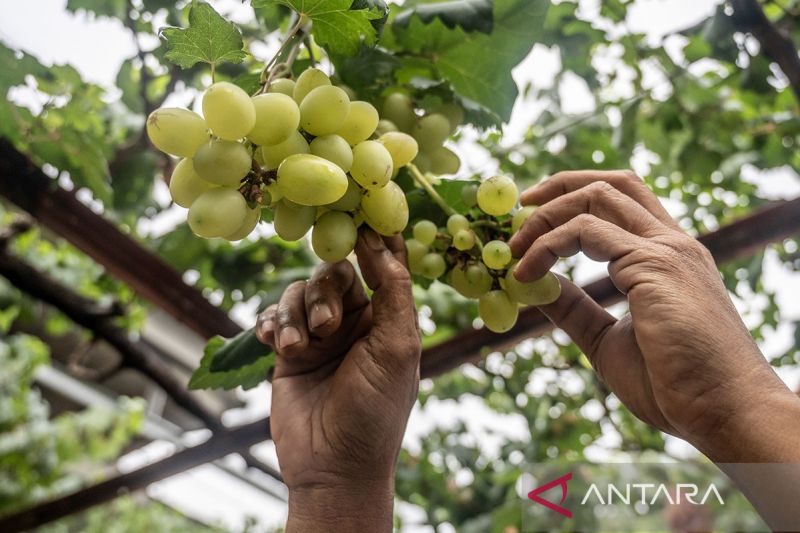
x=295, y=37
x=423, y=182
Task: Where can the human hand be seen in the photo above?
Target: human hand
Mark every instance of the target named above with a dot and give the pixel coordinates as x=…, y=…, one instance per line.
x=346, y=378
x=682, y=360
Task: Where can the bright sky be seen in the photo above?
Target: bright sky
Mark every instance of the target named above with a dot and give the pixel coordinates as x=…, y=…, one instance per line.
x=97, y=47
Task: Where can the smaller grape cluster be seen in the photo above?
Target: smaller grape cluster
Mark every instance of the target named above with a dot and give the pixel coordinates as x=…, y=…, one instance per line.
x=471, y=254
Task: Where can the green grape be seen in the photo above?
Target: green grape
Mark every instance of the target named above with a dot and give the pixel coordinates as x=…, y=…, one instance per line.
x=282, y=86
x=464, y=240
x=402, y=147
x=335, y=149
x=306, y=179
x=293, y=221
x=543, y=291
x=432, y=266
x=422, y=162
x=222, y=162
x=496, y=255
x=177, y=131
x=360, y=124
x=274, y=192
x=229, y=111
x=400, y=110
x=444, y=161
x=469, y=195
x=385, y=126
x=324, y=110
x=251, y=220
x=497, y=196
x=416, y=251
x=217, y=213
x=386, y=209
x=277, y=118
x=351, y=94
x=309, y=80
x=473, y=281
x=334, y=236
x=185, y=185
x=520, y=217
x=372, y=165
x=425, y=232
x=351, y=199
x=454, y=114
x=273, y=156
x=457, y=223
x=432, y=131
x=498, y=312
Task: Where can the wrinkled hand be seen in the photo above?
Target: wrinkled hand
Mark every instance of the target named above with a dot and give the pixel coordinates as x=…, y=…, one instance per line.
x=682, y=360
x=346, y=378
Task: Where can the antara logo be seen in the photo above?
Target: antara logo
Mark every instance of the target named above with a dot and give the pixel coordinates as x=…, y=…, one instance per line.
x=651, y=494
x=558, y=482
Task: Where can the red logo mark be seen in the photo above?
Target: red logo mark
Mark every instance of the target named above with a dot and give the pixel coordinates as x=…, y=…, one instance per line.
x=559, y=482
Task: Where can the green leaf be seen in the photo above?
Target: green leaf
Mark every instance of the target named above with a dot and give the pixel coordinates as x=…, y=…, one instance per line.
x=421, y=207
x=227, y=364
x=208, y=39
x=334, y=25
x=471, y=15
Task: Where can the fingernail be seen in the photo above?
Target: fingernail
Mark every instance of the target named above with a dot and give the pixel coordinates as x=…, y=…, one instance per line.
x=321, y=314
x=289, y=337
x=373, y=240
x=267, y=326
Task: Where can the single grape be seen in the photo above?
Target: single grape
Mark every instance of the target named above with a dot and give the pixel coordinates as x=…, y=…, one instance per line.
x=496, y=255
x=520, y=217
x=498, y=312
x=309, y=80
x=400, y=110
x=543, y=291
x=497, y=196
x=472, y=281
x=217, y=213
x=282, y=86
x=469, y=195
x=351, y=199
x=464, y=240
x=351, y=94
x=306, y=179
x=432, y=266
x=422, y=162
x=293, y=221
x=432, y=131
x=457, y=223
x=185, y=186
x=444, y=161
x=385, y=126
x=277, y=118
x=416, y=251
x=229, y=111
x=425, y=232
x=324, y=110
x=360, y=124
x=454, y=114
x=274, y=155
x=372, y=165
x=177, y=131
x=251, y=220
x=386, y=209
x=402, y=147
x=274, y=192
x=334, y=236
x=222, y=162
x=335, y=149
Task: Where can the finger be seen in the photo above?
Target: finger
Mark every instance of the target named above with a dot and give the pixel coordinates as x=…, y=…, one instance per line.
x=625, y=181
x=598, y=239
x=265, y=325
x=599, y=199
x=291, y=329
x=333, y=290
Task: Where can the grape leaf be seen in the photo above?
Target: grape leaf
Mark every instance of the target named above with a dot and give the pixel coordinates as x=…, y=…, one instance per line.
x=471, y=15
x=334, y=25
x=208, y=39
x=226, y=364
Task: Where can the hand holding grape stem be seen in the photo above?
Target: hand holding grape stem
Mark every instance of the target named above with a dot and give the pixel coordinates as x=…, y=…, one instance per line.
x=345, y=380
x=682, y=360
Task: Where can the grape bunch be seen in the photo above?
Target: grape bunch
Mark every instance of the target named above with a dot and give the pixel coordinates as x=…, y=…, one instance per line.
x=471, y=254
x=301, y=148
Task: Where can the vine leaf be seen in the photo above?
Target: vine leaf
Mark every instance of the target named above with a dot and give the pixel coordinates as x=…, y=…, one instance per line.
x=471, y=15
x=227, y=364
x=208, y=39
x=335, y=25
